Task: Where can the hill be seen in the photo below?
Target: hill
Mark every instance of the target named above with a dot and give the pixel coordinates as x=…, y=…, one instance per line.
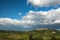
x=37, y=34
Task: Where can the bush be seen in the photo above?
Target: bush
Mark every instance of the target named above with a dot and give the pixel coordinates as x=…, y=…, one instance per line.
x=35, y=37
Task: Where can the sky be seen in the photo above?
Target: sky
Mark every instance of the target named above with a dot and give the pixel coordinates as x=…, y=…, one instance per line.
x=25, y=14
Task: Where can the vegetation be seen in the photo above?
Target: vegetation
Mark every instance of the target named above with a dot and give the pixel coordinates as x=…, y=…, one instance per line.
x=49, y=34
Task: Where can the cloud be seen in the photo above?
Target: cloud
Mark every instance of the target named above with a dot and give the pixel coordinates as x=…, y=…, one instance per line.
x=34, y=18
x=41, y=3
x=43, y=17
x=6, y=21
x=20, y=14
x=15, y=22
x=57, y=21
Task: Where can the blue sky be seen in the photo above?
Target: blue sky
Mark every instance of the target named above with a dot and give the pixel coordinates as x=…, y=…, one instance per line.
x=12, y=8
x=32, y=13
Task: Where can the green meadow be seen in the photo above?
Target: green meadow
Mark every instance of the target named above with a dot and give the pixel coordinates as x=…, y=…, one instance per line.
x=50, y=34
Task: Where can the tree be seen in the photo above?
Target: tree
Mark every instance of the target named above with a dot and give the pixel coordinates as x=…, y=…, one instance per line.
x=53, y=38
x=35, y=37
x=30, y=37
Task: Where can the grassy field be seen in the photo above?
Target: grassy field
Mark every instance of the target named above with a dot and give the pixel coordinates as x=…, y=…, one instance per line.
x=30, y=35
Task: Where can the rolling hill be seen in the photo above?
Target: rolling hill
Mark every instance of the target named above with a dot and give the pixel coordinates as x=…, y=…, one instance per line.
x=37, y=34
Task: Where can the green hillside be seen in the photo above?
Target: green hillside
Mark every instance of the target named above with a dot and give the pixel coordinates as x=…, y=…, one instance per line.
x=38, y=34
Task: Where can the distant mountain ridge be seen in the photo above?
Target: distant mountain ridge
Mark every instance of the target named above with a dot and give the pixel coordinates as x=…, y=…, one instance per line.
x=42, y=29
x=18, y=28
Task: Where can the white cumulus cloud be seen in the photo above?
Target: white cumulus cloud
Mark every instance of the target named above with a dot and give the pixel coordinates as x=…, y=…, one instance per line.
x=34, y=18
x=42, y=3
